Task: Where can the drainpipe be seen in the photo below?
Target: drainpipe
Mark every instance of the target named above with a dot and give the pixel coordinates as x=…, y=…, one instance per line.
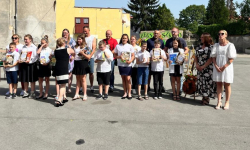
x=15, y=17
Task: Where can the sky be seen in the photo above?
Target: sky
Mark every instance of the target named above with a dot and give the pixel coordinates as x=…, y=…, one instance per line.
x=175, y=6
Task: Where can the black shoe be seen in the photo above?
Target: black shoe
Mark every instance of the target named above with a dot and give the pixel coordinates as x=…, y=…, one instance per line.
x=8, y=96
x=13, y=95
x=98, y=97
x=39, y=97
x=163, y=89
x=105, y=97
x=111, y=90
x=149, y=88
x=129, y=98
x=58, y=103
x=124, y=97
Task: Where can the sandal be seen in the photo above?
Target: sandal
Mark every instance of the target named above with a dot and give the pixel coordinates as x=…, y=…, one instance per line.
x=58, y=103
x=76, y=97
x=146, y=97
x=84, y=98
x=206, y=101
x=65, y=100
x=174, y=97
x=56, y=98
x=140, y=98
x=178, y=98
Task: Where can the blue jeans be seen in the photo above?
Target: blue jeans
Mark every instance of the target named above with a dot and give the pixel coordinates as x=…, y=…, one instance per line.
x=112, y=76
x=91, y=65
x=142, y=75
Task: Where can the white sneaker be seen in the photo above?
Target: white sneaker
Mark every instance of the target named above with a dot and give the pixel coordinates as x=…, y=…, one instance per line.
x=133, y=91
x=8, y=93
x=159, y=97
x=43, y=89
x=22, y=93
x=155, y=98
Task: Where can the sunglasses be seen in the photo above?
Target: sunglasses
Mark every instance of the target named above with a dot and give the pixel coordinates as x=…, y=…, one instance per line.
x=220, y=34
x=14, y=38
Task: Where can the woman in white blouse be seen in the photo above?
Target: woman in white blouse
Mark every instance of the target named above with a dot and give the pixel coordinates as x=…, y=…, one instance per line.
x=29, y=72
x=124, y=53
x=223, y=54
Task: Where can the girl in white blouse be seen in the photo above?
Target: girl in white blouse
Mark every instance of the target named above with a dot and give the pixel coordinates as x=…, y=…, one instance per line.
x=44, y=67
x=29, y=72
x=124, y=53
x=223, y=54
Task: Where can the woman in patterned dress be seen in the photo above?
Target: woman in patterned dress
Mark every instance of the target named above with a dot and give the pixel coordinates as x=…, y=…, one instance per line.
x=205, y=85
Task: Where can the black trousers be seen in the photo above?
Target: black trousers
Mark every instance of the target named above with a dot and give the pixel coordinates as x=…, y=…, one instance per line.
x=134, y=78
x=158, y=80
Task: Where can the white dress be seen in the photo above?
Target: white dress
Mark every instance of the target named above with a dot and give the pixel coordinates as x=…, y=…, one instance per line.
x=222, y=54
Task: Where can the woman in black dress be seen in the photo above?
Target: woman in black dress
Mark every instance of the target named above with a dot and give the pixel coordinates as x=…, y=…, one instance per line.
x=205, y=84
x=61, y=68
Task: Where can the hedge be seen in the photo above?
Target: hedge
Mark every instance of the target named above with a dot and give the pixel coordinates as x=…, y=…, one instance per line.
x=234, y=28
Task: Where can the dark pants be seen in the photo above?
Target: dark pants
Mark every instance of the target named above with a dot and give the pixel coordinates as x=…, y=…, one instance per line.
x=112, y=76
x=158, y=79
x=134, y=78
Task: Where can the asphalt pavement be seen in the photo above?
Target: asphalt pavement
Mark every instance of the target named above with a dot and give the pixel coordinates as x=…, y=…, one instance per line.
x=116, y=124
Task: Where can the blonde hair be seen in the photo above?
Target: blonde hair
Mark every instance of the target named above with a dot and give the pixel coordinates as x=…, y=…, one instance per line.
x=101, y=43
x=60, y=42
x=83, y=41
x=45, y=38
x=224, y=31
x=133, y=37
x=29, y=36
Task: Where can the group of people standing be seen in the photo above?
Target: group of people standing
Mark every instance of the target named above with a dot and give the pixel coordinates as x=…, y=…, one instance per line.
x=213, y=63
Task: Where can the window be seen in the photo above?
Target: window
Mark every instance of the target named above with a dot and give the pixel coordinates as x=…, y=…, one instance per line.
x=78, y=20
x=86, y=20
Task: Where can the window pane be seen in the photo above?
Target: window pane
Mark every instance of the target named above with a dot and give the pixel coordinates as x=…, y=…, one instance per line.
x=78, y=21
x=86, y=20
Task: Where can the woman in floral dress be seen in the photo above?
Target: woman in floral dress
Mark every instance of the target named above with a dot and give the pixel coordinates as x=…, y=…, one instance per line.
x=205, y=84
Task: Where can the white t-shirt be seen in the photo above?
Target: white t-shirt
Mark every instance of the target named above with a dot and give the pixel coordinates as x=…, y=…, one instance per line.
x=46, y=52
x=141, y=55
x=137, y=49
x=171, y=67
x=89, y=40
x=15, y=55
x=77, y=51
x=19, y=47
x=103, y=66
x=32, y=49
x=119, y=49
x=157, y=65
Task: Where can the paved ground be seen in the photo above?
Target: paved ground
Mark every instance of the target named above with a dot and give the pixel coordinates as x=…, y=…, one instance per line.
x=28, y=124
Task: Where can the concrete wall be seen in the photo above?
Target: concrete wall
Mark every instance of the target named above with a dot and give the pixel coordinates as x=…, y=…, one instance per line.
x=100, y=19
x=240, y=42
x=34, y=17
x=6, y=23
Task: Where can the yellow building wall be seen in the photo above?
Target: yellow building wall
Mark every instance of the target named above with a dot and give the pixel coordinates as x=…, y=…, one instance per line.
x=100, y=19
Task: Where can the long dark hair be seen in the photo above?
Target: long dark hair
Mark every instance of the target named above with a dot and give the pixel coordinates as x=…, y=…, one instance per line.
x=179, y=42
x=122, y=37
x=208, y=41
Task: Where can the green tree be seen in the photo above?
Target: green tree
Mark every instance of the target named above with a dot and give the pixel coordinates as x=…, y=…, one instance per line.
x=244, y=9
x=191, y=17
x=163, y=18
x=232, y=10
x=217, y=12
x=142, y=12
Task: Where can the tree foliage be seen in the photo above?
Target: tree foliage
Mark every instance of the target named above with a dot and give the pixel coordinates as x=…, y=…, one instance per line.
x=191, y=17
x=142, y=12
x=244, y=9
x=163, y=19
x=217, y=12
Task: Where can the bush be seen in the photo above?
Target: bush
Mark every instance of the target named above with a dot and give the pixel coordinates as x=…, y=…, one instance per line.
x=235, y=28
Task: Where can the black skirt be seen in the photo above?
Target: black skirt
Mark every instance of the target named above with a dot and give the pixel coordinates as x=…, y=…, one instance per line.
x=81, y=67
x=44, y=71
x=176, y=71
x=28, y=72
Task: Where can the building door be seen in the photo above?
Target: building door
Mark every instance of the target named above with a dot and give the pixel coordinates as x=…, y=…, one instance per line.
x=80, y=23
